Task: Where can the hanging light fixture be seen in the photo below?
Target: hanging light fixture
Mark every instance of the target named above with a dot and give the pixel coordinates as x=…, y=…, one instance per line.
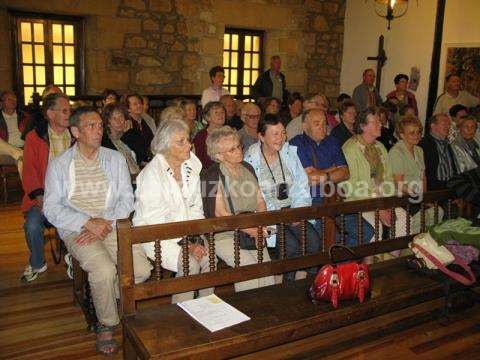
x=390, y=9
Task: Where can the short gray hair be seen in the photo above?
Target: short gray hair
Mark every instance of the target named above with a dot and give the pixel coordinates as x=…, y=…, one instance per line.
x=214, y=138
x=247, y=107
x=162, y=141
x=172, y=113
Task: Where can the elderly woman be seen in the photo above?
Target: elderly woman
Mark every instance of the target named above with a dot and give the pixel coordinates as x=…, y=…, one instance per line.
x=189, y=107
x=295, y=105
x=348, y=115
x=283, y=182
x=370, y=170
x=271, y=105
x=466, y=147
x=109, y=96
x=408, y=167
x=232, y=188
x=168, y=190
x=122, y=137
x=401, y=96
x=214, y=115
x=387, y=137
x=141, y=121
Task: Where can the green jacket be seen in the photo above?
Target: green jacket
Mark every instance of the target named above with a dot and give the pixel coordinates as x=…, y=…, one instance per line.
x=360, y=185
x=459, y=230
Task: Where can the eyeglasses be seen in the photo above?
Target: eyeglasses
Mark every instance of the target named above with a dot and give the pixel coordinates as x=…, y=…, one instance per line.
x=64, y=111
x=252, y=116
x=233, y=149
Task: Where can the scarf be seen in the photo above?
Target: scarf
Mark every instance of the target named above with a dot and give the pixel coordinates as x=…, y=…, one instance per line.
x=374, y=158
x=472, y=146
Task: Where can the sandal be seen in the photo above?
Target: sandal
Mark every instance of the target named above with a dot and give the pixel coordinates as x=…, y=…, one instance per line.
x=102, y=345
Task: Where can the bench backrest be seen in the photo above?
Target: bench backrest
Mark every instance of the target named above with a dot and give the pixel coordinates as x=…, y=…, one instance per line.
x=129, y=235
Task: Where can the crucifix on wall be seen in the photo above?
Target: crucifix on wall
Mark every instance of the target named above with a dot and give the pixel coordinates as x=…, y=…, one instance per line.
x=381, y=58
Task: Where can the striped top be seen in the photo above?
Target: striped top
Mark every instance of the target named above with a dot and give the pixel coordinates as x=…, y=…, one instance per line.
x=58, y=143
x=91, y=185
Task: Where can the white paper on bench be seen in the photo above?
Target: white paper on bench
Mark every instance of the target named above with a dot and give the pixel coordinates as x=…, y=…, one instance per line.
x=213, y=313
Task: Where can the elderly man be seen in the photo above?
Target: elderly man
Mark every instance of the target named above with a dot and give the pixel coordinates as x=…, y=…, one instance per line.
x=249, y=132
x=366, y=94
x=454, y=95
x=295, y=127
x=87, y=189
x=215, y=91
x=440, y=166
x=324, y=163
x=231, y=117
x=271, y=83
x=12, y=126
x=47, y=140
x=457, y=113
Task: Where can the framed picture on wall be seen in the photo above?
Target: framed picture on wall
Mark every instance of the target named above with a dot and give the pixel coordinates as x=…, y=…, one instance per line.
x=465, y=61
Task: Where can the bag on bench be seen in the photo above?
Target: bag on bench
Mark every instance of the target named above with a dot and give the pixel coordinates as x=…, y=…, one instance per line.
x=346, y=281
x=436, y=256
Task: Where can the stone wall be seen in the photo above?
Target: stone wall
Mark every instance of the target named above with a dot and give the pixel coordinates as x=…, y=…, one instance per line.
x=168, y=46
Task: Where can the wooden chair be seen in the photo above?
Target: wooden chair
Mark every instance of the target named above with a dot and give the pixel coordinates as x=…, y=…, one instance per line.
x=6, y=172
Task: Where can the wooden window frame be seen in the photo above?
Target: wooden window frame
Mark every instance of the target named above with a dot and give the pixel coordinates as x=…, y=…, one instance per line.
x=241, y=53
x=79, y=46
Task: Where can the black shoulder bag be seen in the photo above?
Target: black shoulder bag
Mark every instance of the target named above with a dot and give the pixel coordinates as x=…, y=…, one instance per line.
x=247, y=242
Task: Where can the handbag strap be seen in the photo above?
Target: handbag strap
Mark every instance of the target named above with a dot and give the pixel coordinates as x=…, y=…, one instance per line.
x=341, y=247
x=454, y=275
x=227, y=193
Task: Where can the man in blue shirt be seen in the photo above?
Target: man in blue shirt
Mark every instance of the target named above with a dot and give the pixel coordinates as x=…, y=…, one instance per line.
x=325, y=164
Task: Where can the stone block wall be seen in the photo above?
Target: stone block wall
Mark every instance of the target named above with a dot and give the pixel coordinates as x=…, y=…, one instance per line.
x=168, y=46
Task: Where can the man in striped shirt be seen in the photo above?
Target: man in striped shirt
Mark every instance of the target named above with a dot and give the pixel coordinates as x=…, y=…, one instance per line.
x=88, y=188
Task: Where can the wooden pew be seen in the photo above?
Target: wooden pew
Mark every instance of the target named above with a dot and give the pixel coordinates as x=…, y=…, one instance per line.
x=279, y=314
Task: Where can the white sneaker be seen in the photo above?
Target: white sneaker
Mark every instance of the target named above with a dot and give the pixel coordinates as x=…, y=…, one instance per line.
x=31, y=274
x=68, y=262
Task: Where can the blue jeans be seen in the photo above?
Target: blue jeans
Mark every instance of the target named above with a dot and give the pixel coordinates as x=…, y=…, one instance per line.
x=293, y=235
x=34, y=227
x=350, y=227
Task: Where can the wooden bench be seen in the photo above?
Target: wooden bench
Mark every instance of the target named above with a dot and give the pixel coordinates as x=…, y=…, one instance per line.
x=280, y=314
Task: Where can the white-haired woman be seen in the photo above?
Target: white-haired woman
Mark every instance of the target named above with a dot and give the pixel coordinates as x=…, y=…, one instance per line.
x=232, y=188
x=214, y=114
x=168, y=190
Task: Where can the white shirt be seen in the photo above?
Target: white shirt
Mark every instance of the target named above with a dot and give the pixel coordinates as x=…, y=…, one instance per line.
x=14, y=134
x=294, y=127
x=446, y=101
x=212, y=94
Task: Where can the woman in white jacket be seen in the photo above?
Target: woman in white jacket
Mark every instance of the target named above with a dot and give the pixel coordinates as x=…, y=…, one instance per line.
x=168, y=190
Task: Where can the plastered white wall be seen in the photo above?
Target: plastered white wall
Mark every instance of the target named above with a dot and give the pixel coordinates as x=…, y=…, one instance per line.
x=408, y=43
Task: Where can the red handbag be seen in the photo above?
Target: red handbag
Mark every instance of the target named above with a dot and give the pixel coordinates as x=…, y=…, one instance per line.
x=345, y=281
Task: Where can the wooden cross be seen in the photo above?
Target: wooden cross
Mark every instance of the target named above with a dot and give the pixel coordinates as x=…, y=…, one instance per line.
x=381, y=58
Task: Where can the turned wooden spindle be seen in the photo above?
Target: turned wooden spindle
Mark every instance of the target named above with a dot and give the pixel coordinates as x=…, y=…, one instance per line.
x=407, y=220
x=422, y=218
x=185, y=256
x=236, y=248
x=303, y=239
x=449, y=208
x=342, y=229
x=324, y=232
x=359, y=229
x=377, y=224
x=211, y=251
x=436, y=213
x=392, y=223
x=260, y=244
x=281, y=240
x=157, y=264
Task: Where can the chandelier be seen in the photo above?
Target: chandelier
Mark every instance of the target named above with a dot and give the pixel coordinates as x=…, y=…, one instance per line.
x=390, y=9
